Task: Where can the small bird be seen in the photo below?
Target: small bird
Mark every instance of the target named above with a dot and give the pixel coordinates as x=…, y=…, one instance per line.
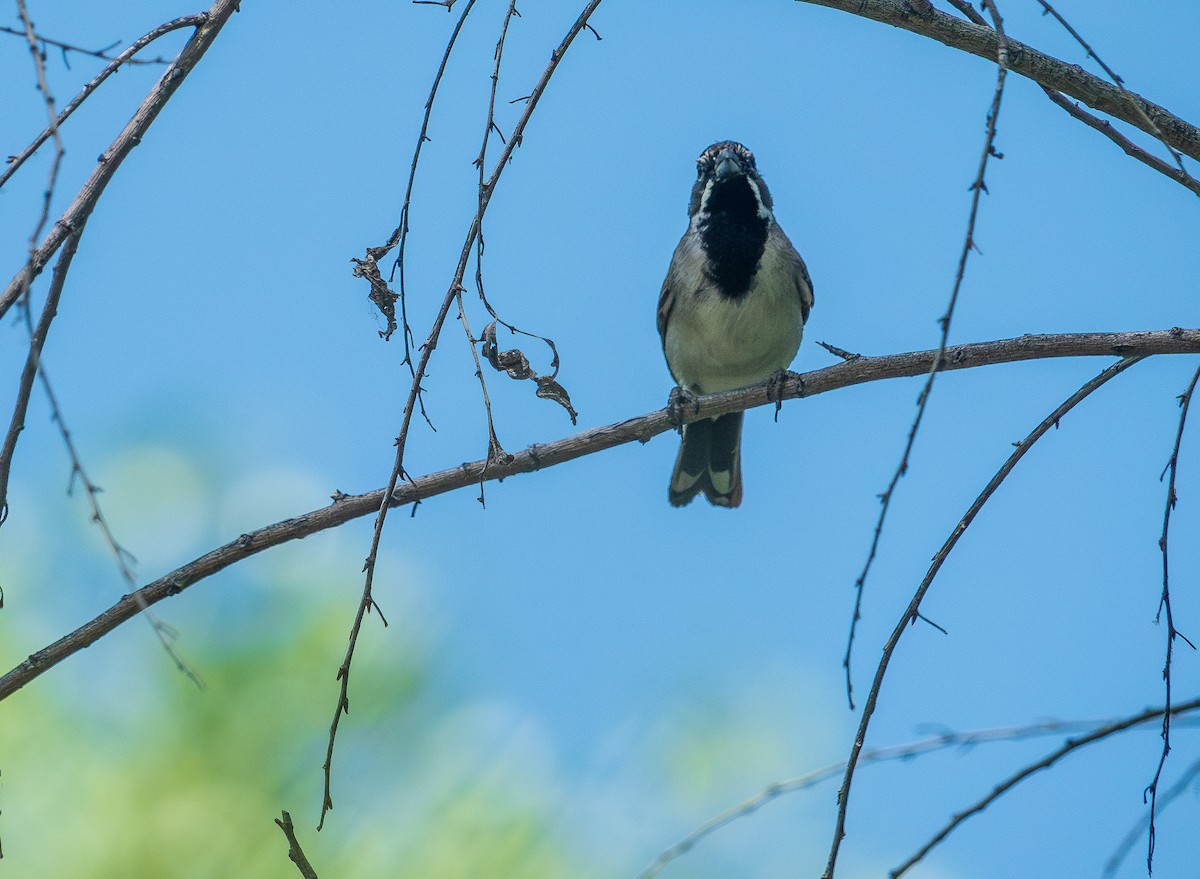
x=731, y=313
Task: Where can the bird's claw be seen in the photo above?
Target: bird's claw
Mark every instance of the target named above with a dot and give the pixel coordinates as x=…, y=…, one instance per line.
x=681, y=405
x=777, y=385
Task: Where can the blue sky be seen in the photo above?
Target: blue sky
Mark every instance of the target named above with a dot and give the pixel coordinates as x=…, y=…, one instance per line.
x=221, y=369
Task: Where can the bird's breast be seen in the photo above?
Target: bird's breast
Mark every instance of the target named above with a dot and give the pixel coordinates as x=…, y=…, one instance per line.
x=715, y=342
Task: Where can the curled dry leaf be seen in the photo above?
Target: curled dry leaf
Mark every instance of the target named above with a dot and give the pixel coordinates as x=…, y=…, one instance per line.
x=381, y=294
x=516, y=364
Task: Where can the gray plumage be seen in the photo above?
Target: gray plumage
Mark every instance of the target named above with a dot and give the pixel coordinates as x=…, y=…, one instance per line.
x=731, y=312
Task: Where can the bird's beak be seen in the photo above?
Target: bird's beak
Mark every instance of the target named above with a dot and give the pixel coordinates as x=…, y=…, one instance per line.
x=728, y=165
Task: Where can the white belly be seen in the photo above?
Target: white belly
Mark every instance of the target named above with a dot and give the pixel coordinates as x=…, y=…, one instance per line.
x=714, y=343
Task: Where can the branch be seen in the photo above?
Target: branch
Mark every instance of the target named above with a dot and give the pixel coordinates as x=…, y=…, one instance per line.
x=940, y=742
x=126, y=57
x=295, y=852
x=643, y=428
x=37, y=340
x=102, y=54
x=1164, y=610
x=110, y=160
x=1045, y=763
x=1046, y=70
x=912, y=612
x=978, y=187
x=427, y=349
x=1126, y=845
x=1127, y=146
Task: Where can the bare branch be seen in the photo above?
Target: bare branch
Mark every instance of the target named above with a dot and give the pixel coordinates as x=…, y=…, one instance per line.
x=932, y=744
x=427, y=349
x=1119, y=83
x=1129, y=147
x=911, y=612
x=37, y=340
x=978, y=187
x=368, y=268
x=1071, y=79
x=1045, y=763
x=969, y=11
x=1169, y=796
x=640, y=429
x=126, y=57
x=102, y=54
x=165, y=633
x=295, y=852
x=1164, y=610
x=110, y=160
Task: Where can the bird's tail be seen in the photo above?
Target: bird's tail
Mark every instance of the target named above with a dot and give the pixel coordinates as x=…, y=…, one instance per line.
x=710, y=461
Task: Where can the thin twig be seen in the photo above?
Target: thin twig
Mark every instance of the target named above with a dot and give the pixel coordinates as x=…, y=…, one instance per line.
x=368, y=267
x=495, y=450
x=295, y=852
x=1119, y=83
x=969, y=11
x=1070, y=79
x=37, y=340
x=164, y=631
x=126, y=57
x=68, y=47
x=427, y=349
x=910, y=613
x=1139, y=827
x=30, y=272
x=920, y=748
x=1164, y=610
x=978, y=187
x=1129, y=147
x=1049, y=760
x=543, y=455
x=110, y=160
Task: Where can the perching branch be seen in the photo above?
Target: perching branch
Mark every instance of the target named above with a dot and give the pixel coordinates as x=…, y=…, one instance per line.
x=642, y=428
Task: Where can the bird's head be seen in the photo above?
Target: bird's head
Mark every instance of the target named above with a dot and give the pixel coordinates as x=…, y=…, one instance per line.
x=727, y=180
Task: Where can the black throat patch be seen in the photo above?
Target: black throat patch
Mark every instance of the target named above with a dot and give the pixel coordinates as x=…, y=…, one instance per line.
x=734, y=236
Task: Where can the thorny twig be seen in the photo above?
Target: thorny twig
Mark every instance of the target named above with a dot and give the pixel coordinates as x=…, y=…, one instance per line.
x=1119, y=83
x=427, y=349
x=495, y=450
x=111, y=159
x=1164, y=610
x=165, y=632
x=125, y=57
x=1139, y=827
x=910, y=613
x=1130, y=148
x=1049, y=760
x=978, y=187
x=295, y=852
x=383, y=297
x=65, y=48
x=939, y=742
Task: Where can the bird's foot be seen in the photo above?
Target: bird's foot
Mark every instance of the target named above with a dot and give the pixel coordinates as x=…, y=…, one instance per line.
x=777, y=384
x=681, y=405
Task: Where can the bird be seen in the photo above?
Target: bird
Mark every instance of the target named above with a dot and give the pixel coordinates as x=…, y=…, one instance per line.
x=731, y=313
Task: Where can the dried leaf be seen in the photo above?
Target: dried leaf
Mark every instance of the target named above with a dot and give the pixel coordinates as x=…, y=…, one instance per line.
x=516, y=364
